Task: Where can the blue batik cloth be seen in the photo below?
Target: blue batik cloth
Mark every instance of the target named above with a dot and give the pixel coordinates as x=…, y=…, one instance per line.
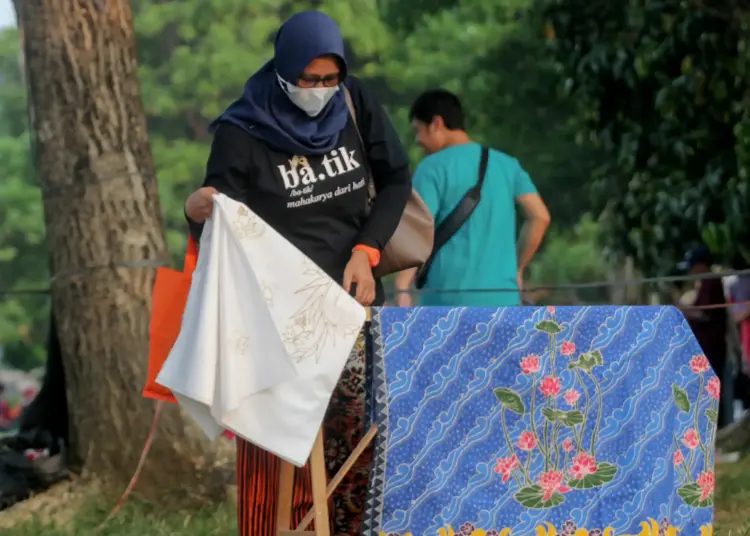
x=522, y=421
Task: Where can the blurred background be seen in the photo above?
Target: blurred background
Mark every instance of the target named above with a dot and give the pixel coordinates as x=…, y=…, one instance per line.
x=631, y=117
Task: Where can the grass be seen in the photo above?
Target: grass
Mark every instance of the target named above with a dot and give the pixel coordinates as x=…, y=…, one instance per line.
x=139, y=519
x=732, y=513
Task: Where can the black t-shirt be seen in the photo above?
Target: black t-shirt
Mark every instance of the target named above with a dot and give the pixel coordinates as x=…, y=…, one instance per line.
x=319, y=203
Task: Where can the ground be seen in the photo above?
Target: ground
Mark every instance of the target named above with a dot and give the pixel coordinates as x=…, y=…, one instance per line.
x=76, y=508
x=732, y=516
x=68, y=510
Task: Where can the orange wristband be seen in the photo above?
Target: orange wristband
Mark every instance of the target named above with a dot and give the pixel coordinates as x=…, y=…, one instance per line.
x=373, y=255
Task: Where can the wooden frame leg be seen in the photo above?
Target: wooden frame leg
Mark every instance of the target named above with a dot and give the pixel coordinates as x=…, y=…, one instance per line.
x=319, y=480
x=319, y=493
x=321, y=490
x=286, y=495
x=336, y=480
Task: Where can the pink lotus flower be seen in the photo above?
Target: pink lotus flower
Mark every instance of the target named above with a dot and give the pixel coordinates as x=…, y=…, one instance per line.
x=550, y=482
x=707, y=483
x=568, y=348
x=550, y=386
x=691, y=439
x=699, y=364
x=550, y=309
x=571, y=396
x=583, y=464
x=678, y=457
x=714, y=388
x=530, y=364
x=506, y=466
x=567, y=445
x=527, y=441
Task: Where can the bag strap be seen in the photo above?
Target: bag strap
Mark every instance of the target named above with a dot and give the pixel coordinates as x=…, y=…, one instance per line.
x=456, y=219
x=353, y=113
x=191, y=256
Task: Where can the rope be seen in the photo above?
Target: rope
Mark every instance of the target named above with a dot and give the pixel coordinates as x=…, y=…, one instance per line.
x=152, y=263
x=141, y=462
x=50, y=191
x=67, y=274
x=595, y=284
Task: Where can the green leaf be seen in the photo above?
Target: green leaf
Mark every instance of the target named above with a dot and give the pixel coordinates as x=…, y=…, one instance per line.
x=712, y=415
x=510, y=400
x=532, y=497
x=568, y=418
x=548, y=326
x=552, y=415
x=605, y=472
x=691, y=494
x=588, y=361
x=681, y=398
x=572, y=418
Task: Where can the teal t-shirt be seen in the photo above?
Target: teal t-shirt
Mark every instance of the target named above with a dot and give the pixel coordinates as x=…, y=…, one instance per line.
x=482, y=254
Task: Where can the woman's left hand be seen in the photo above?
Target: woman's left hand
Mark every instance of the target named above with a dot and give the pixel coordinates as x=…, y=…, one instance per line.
x=358, y=271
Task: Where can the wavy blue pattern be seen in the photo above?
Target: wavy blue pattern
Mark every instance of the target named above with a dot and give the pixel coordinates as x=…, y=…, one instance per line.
x=443, y=429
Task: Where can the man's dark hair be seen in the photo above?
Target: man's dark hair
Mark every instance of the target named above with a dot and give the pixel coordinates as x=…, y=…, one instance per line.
x=439, y=102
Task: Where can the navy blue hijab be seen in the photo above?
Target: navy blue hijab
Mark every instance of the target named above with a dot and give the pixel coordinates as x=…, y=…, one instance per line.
x=266, y=112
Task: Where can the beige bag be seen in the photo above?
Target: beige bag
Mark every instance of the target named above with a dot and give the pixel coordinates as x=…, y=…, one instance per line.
x=411, y=243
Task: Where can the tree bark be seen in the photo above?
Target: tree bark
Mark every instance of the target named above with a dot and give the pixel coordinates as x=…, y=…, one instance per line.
x=105, y=235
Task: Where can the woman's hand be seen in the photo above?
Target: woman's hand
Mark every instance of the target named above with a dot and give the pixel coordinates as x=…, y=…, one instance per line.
x=358, y=271
x=200, y=204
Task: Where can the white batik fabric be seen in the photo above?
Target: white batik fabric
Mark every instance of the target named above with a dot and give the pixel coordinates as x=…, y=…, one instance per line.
x=265, y=336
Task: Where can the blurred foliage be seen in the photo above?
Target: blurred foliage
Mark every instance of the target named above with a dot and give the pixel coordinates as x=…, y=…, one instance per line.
x=493, y=55
x=658, y=115
x=573, y=255
x=23, y=257
x=662, y=89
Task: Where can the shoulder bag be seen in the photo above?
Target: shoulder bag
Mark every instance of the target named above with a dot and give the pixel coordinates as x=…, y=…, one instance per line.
x=456, y=219
x=411, y=243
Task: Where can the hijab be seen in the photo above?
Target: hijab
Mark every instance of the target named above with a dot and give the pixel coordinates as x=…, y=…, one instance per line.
x=265, y=110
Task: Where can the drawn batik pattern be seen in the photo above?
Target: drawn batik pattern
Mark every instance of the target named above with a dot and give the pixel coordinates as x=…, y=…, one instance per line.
x=555, y=421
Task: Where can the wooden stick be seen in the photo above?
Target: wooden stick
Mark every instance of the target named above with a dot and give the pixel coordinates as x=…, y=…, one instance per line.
x=285, y=496
x=320, y=497
x=336, y=480
x=320, y=490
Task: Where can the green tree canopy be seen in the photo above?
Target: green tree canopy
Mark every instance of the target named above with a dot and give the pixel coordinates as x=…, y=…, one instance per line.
x=662, y=89
x=195, y=57
x=493, y=55
x=23, y=256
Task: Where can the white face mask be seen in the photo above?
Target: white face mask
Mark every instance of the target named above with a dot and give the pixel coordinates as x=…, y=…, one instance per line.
x=310, y=100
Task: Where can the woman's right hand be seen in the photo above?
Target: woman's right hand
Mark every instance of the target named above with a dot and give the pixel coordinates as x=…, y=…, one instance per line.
x=200, y=204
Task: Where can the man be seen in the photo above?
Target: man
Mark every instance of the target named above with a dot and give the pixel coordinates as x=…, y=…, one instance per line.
x=483, y=254
x=709, y=325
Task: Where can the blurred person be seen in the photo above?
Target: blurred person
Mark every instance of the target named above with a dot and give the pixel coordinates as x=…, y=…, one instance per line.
x=739, y=294
x=289, y=150
x=739, y=297
x=483, y=253
x=708, y=325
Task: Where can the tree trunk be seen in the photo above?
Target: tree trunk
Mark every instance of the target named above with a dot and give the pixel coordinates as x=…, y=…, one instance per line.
x=105, y=236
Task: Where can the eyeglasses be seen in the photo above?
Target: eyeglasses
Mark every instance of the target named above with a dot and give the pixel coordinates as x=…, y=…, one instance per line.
x=329, y=80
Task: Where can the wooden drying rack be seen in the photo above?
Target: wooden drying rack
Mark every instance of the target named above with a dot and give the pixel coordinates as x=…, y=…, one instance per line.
x=321, y=489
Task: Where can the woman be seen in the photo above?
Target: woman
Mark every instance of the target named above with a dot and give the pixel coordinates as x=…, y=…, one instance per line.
x=289, y=149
